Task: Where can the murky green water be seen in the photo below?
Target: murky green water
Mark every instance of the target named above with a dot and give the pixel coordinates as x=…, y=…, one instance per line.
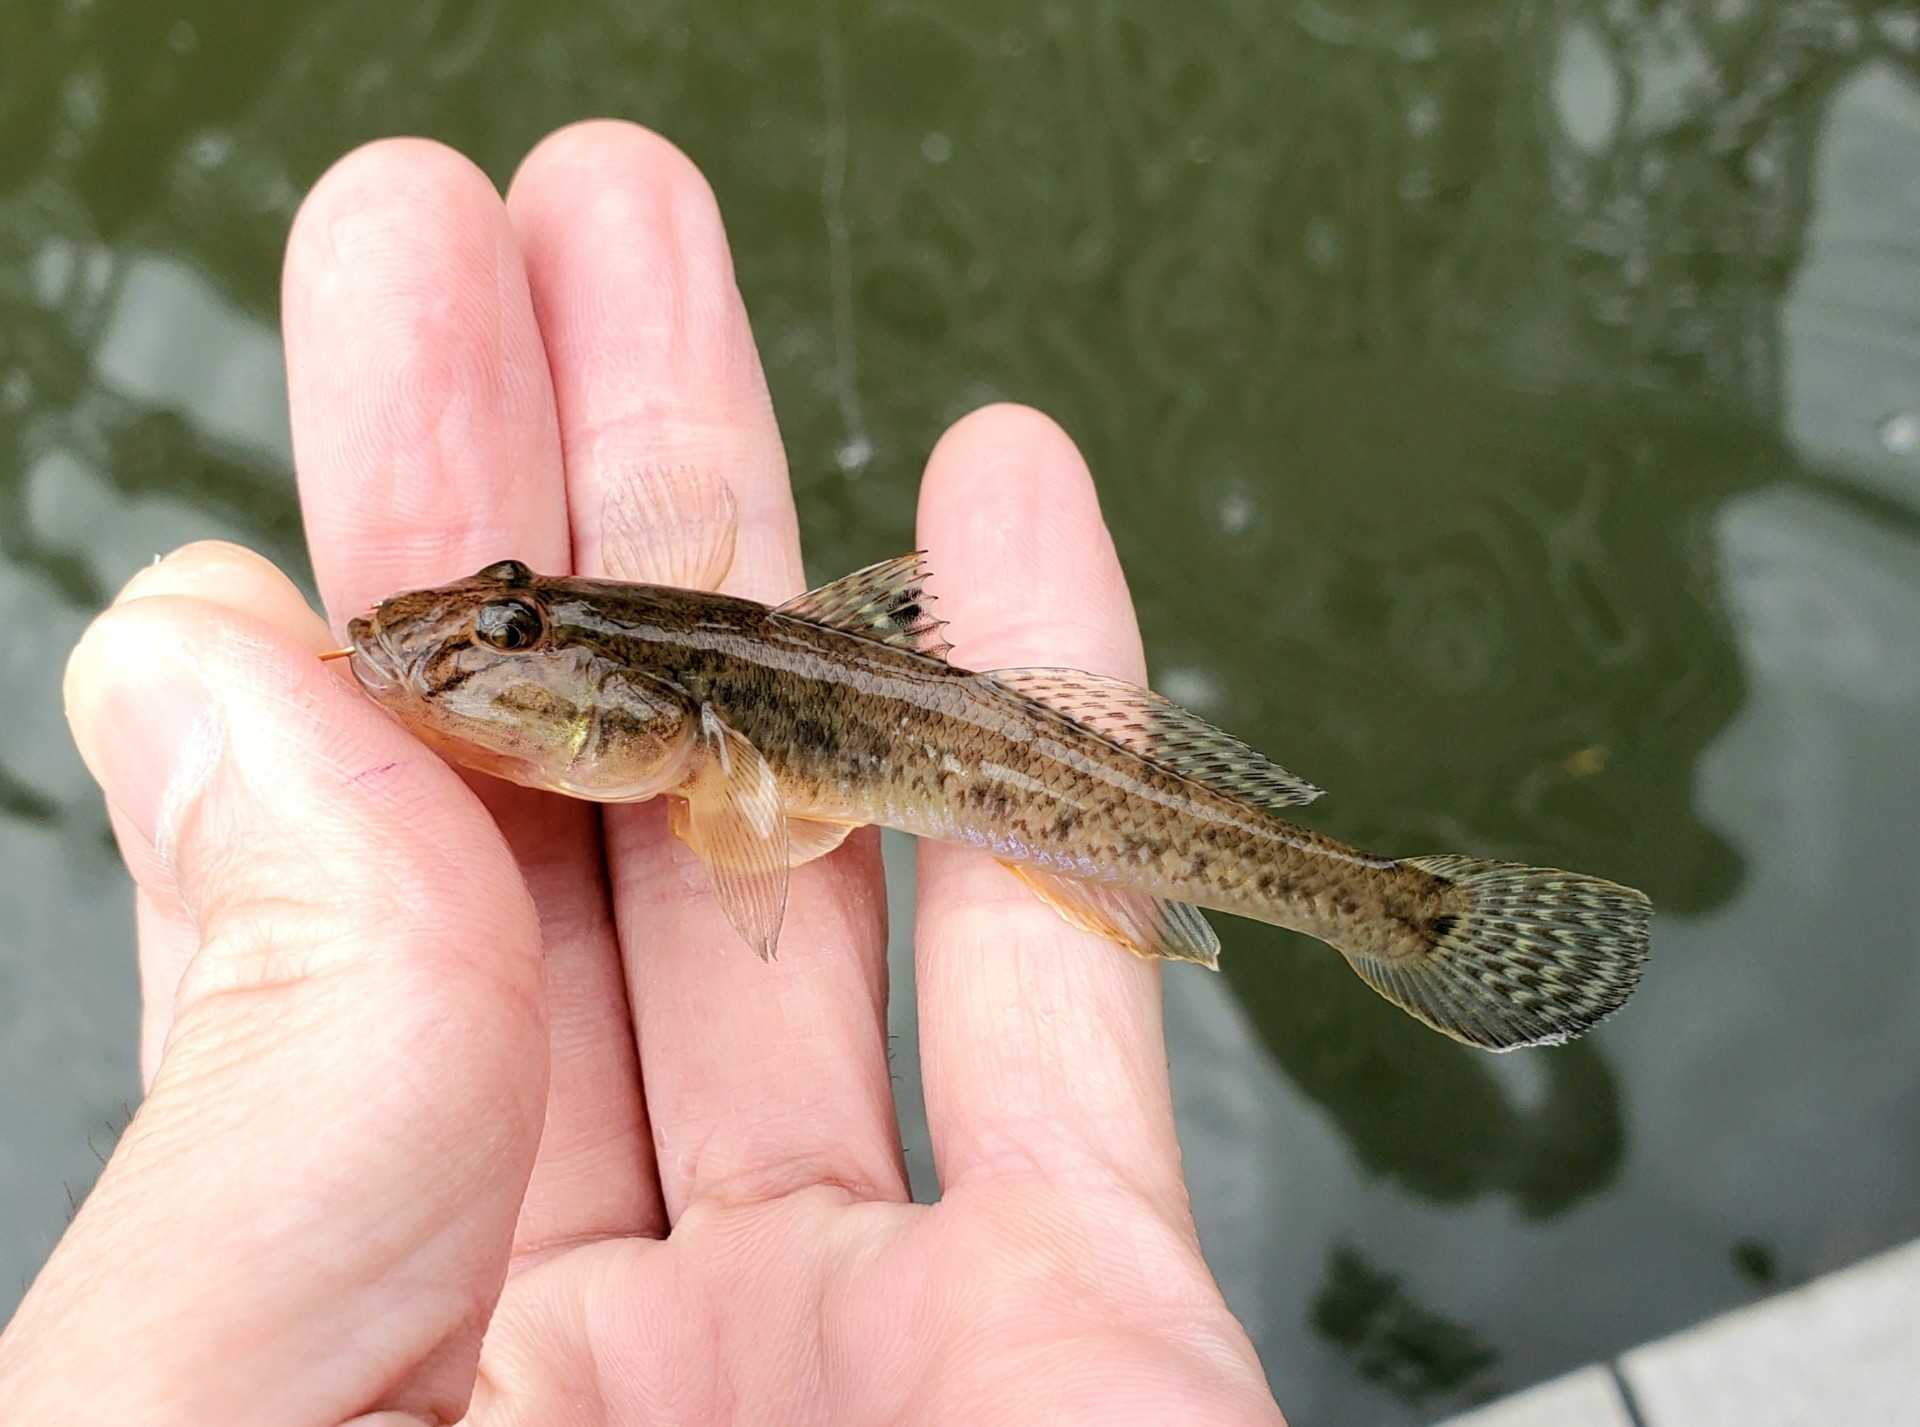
x=1513, y=421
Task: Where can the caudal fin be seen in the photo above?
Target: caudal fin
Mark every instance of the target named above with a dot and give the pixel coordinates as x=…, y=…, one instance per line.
x=1536, y=957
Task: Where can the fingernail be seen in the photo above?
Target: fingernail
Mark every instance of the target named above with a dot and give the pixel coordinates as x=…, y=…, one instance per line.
x=132, y=588
x=148, y=729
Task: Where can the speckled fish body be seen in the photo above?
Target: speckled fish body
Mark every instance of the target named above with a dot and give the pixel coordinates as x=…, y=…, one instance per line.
x=863, y=732
x=775, y=730
x=857, y=731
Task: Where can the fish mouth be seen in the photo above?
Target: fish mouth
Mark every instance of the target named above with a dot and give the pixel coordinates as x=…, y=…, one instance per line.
x=375, y=663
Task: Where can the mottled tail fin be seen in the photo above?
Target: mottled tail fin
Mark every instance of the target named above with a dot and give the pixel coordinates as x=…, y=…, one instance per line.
x=1534, y=957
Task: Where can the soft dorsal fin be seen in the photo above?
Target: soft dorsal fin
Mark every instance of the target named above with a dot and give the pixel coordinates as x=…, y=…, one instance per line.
x=886, y=603
x=1157, y=728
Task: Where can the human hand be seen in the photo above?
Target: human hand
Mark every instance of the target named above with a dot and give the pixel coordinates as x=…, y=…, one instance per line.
x=465, y=1100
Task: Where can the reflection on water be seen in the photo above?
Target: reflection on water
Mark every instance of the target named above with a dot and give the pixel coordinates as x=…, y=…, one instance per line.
x=1756, y=1261
x=1852, y=403
x=1411, y=1351
x=1511, y=420
x=1442, y=1120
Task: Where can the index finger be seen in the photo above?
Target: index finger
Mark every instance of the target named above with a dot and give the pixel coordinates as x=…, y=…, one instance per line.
x=428, y=446
x=423, y=422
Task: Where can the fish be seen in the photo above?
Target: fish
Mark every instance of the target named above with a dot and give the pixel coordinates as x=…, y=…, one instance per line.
x=775, y=730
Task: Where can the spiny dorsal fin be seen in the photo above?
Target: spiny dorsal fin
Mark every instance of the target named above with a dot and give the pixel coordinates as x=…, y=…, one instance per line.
x=1157, y=728
x=886, y=603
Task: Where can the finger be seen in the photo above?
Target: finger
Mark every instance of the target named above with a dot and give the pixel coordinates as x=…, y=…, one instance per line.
x=758, y=1079
x=167, y=940
x=237, y=579
x=423, y=425
x=1040, y=1045
x=653, y=361
x=223, y=573
x=425, y=436
x=314, y=1206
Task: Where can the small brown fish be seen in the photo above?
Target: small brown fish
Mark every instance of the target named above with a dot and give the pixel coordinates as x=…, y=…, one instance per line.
x=777, y=730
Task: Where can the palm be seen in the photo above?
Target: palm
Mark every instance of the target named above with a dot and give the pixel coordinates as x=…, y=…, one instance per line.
x=1005, y=1306
x=716, y=1227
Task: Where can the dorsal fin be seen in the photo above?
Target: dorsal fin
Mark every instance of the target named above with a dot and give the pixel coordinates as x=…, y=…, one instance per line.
x=1157, y=728
x=668, y=527
x=886, y=603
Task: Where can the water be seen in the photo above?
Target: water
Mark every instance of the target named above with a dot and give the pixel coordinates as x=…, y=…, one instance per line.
x=1511, y=421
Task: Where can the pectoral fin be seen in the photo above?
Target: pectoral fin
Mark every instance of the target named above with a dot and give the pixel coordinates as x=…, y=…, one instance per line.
x=1146, y=926
x=735, y=825
x=669, y=526
x=807, y=838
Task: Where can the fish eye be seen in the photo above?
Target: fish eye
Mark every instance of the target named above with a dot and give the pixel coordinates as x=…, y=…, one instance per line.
x=508, y=625
x=507, y=572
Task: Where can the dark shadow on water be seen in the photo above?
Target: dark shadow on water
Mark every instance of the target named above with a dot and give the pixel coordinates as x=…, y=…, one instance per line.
x=1517, y=652
x=1418, y=1108
x=1756, y=1262
x=1394, y=1341
x=18, y=800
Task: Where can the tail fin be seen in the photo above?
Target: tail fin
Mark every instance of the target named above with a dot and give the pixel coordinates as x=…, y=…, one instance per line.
x=1536, y=958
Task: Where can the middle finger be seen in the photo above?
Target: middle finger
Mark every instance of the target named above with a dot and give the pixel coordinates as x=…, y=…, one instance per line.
x=424, y=428
x=760, y=1079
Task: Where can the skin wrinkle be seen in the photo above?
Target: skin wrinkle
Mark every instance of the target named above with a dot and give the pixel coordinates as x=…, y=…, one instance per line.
x=779, y=1174
x=1054, y=1314
x=196, y=765
x=220, y=1031
x=240, y=899
x=161, y=1108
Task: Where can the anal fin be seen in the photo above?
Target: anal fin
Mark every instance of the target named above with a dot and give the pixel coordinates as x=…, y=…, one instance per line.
x=1145, y=925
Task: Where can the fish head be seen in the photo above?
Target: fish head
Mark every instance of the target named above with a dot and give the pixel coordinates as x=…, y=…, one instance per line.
x=482, y=671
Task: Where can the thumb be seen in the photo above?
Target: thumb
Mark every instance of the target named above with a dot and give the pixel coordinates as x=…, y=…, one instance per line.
x=314, y=1206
